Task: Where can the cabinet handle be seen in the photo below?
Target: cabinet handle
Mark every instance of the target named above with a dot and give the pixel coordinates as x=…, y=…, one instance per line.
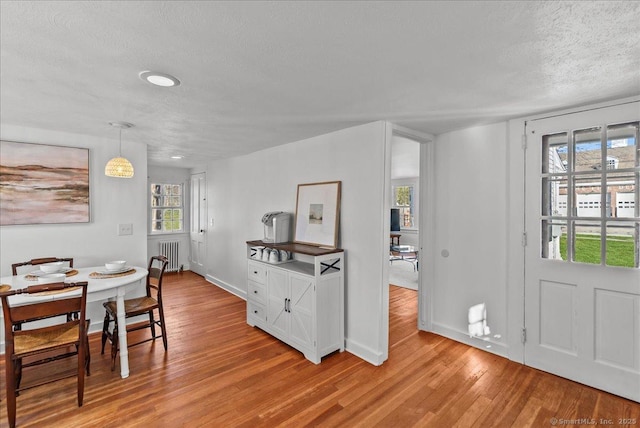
x=255, y=272
x=255, y=291
x=255, y=312
x=289, y=305
x=285, y=305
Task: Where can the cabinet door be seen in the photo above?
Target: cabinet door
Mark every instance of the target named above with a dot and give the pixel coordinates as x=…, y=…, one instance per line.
x=277, y=292
x=302, y=314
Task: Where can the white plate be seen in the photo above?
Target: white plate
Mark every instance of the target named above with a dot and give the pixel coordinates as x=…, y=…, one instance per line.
x=112, y=272
x=40, y=273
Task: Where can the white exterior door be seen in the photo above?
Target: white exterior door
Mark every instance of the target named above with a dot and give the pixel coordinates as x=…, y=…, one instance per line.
x=582, y=281
x=197, y=235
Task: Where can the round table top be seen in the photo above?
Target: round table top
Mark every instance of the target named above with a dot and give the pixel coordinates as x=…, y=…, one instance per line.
x=97, y=288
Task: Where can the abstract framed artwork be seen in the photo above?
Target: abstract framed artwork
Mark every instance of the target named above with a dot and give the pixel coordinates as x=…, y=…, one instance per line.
x=318, y=214
x=43, y=184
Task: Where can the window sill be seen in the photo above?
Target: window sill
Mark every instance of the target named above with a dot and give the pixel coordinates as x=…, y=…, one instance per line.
x=409, y=231
x=166, y=234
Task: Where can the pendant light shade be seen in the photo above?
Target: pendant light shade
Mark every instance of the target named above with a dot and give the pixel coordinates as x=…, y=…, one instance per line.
x=119, y=167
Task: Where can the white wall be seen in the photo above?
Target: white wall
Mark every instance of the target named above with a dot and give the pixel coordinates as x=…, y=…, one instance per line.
x=158, y=174
x=240, y=190
x=112, y=201
x=405, y=157
x=470, y=207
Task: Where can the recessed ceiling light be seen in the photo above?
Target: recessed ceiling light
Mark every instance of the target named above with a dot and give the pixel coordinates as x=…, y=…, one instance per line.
x=159, y=79
x=177, y=157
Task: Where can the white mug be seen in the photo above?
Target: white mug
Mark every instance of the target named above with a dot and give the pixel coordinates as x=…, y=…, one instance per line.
x=274, y=256
x=284, y=255
x=265, y=254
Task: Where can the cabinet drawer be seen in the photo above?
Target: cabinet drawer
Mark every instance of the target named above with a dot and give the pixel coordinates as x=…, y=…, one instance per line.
x=256, y=310
x=256, y=292
x=257, y=272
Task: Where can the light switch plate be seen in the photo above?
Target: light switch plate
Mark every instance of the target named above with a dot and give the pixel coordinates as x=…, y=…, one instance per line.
x=125, y=229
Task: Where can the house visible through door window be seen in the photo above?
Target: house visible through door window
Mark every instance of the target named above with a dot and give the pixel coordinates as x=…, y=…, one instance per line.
x=166, y=208
x=591, y=195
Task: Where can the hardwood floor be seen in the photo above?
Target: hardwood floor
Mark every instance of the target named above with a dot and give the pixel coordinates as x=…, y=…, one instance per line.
x=219, y=372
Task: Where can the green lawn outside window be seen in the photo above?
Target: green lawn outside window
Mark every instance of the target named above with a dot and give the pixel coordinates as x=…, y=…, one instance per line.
x=620, y=250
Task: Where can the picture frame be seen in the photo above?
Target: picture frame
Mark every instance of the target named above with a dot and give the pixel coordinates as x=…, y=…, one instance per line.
x=43, y=184
x=318, y=214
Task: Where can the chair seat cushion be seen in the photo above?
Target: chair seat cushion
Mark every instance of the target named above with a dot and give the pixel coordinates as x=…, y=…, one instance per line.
x=133, y=306
x=26, y=341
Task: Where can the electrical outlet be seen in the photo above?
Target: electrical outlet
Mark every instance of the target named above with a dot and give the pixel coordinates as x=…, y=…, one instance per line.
x=125, y=229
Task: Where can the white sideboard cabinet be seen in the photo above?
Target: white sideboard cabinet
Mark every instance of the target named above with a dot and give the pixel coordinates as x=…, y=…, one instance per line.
x=300, y=301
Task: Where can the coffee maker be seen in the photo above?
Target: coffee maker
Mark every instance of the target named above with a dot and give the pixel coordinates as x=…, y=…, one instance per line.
x=276, y=227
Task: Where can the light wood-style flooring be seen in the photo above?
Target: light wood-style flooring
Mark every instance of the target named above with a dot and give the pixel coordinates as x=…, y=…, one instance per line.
x=220, y=372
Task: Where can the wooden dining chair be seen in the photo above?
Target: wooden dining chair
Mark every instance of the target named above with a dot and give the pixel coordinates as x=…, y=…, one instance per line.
x=145, y=305
x=60, y=338
x=40, y=261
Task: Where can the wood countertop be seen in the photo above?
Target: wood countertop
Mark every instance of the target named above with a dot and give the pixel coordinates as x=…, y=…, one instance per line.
x=294, y=247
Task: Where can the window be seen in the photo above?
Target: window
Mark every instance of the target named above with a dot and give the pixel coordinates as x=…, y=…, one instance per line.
x=404, y=198
x=612, y=163
x=590, y=214
x=166, y=208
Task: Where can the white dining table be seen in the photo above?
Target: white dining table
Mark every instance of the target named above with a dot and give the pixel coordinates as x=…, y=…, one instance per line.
x=98, y=289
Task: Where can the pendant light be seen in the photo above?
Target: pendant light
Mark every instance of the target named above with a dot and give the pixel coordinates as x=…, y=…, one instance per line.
x=119, y=167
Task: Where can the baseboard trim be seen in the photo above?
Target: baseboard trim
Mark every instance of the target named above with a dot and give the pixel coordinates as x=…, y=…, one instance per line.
x=485, y=344
x=226, y=286
x=361, y=351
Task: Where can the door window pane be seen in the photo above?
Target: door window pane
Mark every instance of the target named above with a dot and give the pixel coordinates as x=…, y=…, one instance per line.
x=587, y=198
x=622, y=146
x=621, y=191
x=554, y=238
x=587, y=243
x=622, y=244
x=554, y=196
x=555, y=153
x=587, y=153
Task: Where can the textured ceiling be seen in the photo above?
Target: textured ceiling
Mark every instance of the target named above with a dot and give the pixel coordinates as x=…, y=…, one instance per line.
x=259, y=74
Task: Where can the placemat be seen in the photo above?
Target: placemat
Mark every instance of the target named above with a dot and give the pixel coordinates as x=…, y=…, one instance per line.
x=97, y=275
x=30, y=277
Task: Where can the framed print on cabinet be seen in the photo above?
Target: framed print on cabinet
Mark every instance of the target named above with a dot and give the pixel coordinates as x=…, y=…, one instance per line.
x=42, y=184
x=318, y=214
